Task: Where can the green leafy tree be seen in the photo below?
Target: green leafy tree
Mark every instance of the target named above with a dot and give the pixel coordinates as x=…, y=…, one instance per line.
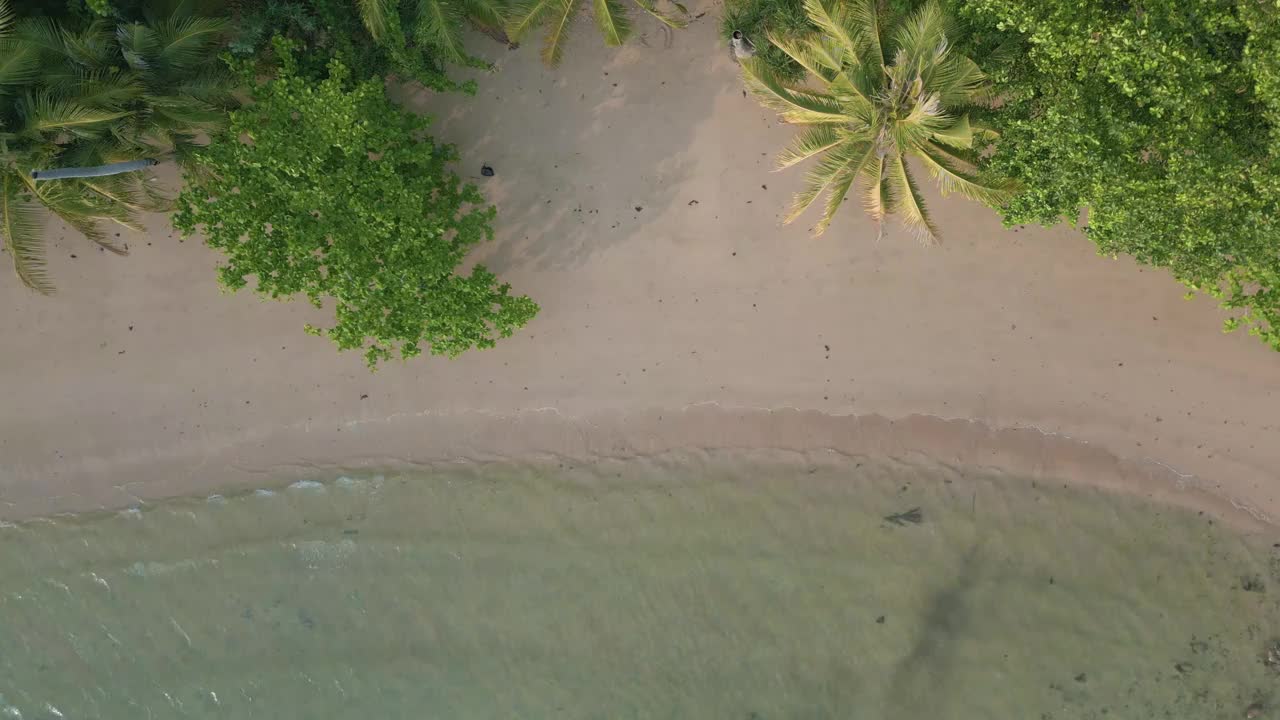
x=558, y=16
x=91, y=94
x=889, y=94
x=330, y=191
x=1161, y=119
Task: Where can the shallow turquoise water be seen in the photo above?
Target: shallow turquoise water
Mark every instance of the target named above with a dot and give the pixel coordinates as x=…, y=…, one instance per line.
x=723, y=585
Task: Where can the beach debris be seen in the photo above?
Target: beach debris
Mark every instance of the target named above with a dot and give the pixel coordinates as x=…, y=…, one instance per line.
x=486, y=171
x=1271, y=657
x=1082, y=677
x=742, y=47
x=914, y=516
x=1252, y=583
x=880, y=620
x=1254, y=711
x=1184, y=667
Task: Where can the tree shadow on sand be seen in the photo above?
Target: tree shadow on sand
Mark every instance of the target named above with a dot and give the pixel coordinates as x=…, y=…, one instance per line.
x=586, y=155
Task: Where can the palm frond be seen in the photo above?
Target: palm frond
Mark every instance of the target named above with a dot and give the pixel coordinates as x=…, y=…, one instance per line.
x=528, y=14
x=43, y=33
x=611, y=16
x=212, y=86
x=7, y=16
x=811, y=53
x=876, y=198
x=44, y=113
x=20, y=231
x=19, y=63
x=140, y=45
x=664, y=18
x=376, y=16
x=186, y=43
x=908, y=202
x=957, y=135
x=811, y=141
x=91, y=48
x=488, y=14
x=439, y=27
x=827, y=172
x=802, y=107
x=103, y=89
x=924, y=35
x=957, y=80
x=184, y=112
x=950, y=180
x=561, y=20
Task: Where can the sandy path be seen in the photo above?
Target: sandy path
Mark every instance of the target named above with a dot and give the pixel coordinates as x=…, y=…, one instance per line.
x=139, y=379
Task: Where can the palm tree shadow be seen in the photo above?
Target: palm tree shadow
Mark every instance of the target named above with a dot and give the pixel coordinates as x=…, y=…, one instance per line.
x=919, y=681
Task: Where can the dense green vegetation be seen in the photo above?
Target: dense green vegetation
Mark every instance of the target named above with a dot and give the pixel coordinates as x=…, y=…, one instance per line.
x=328, y=190
x=84, y=91
x=558, y=16
x=889, y=93
x=1158, y=121
x=374, y=38
x=1162, y=118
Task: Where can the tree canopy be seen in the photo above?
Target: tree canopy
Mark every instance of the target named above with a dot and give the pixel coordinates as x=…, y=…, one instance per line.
x=1162, y=118
x=889, y=92
x=77, y=91
x=330, y=191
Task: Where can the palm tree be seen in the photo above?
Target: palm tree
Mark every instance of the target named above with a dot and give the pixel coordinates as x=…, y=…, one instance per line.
x=558, y=15
x=90, y=96
x=886, y=96
x=433, y=24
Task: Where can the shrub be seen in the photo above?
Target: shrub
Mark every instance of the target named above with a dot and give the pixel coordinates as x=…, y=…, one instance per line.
x=328, y=190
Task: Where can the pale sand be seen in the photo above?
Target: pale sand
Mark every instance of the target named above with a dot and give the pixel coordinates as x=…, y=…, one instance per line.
x=682, y=324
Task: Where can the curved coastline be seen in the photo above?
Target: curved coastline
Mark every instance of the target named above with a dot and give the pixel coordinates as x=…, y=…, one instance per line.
x=415, y=442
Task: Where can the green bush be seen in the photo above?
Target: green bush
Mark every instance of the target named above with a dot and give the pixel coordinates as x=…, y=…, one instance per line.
x=330, y=191
x=1160, y=118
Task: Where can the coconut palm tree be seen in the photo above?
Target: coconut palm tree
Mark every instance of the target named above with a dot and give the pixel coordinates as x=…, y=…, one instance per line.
x=97, y=94
x=887, y=95
x=435, y=25
x=558, y=15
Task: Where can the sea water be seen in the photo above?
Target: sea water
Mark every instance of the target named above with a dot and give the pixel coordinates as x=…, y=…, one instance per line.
x=746, y=585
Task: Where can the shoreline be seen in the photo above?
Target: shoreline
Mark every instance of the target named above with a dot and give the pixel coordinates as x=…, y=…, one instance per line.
x=427, y=442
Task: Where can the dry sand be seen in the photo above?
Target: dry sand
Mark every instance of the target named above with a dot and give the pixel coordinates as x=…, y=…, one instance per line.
x=636, y=204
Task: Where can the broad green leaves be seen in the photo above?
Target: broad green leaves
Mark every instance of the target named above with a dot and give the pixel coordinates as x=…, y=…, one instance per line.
x=341, y=198
x=1162, y=118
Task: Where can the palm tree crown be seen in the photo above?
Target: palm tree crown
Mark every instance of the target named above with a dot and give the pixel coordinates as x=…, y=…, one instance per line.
x=885, y=96
x=93, y=95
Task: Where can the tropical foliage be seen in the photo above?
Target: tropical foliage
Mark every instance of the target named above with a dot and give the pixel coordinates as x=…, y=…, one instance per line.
x=87, y=94
x=1162, y=118
x=330, y=191
x=558, y=16
x=787, y=19
x=374, y=38
x=889, y=94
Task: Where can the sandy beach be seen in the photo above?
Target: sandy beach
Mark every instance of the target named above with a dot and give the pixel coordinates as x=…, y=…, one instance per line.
x=637, y=206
